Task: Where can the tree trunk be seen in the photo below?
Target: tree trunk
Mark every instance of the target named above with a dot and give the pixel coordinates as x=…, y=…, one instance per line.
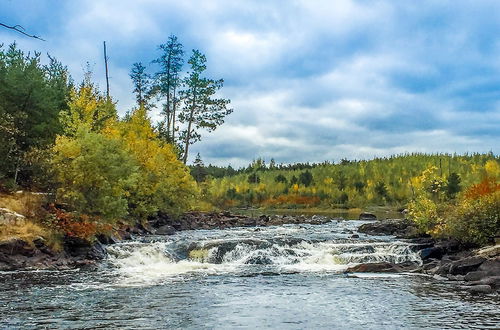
x=188, y=135
x=174, y=103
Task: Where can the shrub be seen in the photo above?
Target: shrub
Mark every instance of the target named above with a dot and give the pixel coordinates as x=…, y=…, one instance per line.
x=476, y=219
x=94, y=174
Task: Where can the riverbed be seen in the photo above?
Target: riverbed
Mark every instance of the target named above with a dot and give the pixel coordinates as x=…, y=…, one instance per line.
x=283, y=277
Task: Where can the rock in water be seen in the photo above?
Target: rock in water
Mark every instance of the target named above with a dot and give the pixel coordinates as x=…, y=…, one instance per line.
x=367, y=216
x=431, y=252
x=379, y=267
x=165, y=230
x=466, y=265
x=397, y=227
x=483, y=288
x=79, y=248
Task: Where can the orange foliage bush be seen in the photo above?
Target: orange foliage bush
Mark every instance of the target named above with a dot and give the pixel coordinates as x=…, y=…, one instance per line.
x=81, y=226
x=486, y=187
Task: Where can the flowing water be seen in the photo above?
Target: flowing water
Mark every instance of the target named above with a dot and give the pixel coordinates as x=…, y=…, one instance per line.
x=286, y=277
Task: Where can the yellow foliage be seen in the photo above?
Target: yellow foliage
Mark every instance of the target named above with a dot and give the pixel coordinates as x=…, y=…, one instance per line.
x=295, y=187
x=328, y=181
x=164, y=183
x=492, y=168
x=87, y=109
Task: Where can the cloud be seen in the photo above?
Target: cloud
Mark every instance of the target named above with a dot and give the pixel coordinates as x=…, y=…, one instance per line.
x=309, y=80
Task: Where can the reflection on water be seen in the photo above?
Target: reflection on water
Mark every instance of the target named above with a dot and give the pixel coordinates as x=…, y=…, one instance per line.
x=279, y=277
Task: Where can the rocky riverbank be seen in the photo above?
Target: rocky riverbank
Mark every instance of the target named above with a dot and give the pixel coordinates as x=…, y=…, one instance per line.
x=477, y=270
x=16, y=254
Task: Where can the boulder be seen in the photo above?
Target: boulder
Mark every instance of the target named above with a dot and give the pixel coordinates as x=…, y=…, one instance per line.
x=483, y=288
x=490, y=251
x=466, y=265
x=493, y=281
x=475, y=276
x=397, y=227
x=367, y=216
x=379, y=267
x=431, y=252
x=9, y=217
x=165, y=230
x=82, y=249
x=492, y=266
x=16, y=246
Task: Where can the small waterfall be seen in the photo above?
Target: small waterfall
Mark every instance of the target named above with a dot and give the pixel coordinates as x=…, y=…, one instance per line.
x=150, y=262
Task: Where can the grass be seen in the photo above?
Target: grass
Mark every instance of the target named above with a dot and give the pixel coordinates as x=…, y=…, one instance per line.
x=29, y=205
x=25, y=203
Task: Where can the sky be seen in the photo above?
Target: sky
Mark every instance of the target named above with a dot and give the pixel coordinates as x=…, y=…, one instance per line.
x=309, y=80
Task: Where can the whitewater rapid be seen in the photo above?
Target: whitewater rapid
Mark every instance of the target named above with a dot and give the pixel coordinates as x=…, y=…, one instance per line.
x=332, y=247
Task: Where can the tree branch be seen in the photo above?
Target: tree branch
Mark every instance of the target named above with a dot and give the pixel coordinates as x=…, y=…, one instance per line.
x=20, y=29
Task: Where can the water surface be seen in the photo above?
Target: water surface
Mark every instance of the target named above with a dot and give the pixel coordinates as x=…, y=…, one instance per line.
x=287, y=277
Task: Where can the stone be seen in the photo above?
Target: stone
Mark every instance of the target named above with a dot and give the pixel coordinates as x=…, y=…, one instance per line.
x=475, y=276
x=16, y=246
x=82, y=249
x=9, y=217
x=367, y=216
x=466, y=265
x=493, y=281
x=379, y=267
x=431, y=252
x=492, y=266
x=490, y=251
x=165, y=230
x=480, y=289
x=398, y=227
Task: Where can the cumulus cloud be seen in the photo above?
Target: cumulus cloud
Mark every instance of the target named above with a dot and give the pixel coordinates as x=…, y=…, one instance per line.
x=309, y=80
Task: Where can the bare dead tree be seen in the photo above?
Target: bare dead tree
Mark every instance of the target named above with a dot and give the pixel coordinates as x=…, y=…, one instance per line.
x=20, y=29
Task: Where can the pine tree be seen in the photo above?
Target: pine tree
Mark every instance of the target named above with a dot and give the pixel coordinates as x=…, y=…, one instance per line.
x=200, y=109
x=198, y=171
x=142, y=84
x=168, y=82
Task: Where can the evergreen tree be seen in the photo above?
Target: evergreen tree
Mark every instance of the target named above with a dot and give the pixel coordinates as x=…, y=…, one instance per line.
x=306, y=178
x=201, y=110
x=31, y=98
x=168, y=82
x=453, y=185
x=142, y=84
x=198, y=170
x=280, y=178
x=253, y=178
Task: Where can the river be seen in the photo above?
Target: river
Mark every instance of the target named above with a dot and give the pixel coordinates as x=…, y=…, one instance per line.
x=286, y=277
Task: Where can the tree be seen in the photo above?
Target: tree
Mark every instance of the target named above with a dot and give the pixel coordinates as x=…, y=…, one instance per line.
x=200, y=109
x=88, y=108
x=453, y=185
x=198, y=170
x=306, y=178
x=253, y=178
x=164, y=183
x=31, y=98
x=280, y=178
x=142, y=84
x=94, y=173
x=168, y=81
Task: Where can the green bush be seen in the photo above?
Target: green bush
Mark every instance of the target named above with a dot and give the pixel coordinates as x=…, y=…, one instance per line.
x=94, y=174
x=475, y=221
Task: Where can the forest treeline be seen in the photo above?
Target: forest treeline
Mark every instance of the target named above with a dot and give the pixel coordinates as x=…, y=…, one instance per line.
x=447, y=195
